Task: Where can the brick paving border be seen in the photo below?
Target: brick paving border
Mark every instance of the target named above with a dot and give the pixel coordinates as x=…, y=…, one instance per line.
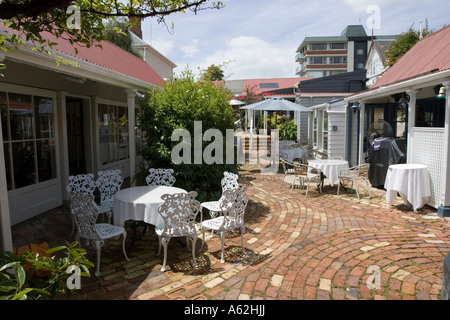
x=323, y=247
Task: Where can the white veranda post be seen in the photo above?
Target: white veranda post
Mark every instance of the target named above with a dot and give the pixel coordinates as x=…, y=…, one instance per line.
x=444, y=209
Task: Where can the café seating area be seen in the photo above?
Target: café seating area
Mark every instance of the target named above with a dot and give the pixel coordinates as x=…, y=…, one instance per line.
x=170, y=210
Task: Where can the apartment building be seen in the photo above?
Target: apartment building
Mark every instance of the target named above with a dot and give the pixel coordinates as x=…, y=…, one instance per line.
x=331, y=55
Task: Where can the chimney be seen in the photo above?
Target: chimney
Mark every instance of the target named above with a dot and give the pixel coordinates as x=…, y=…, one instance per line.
x=135, y=23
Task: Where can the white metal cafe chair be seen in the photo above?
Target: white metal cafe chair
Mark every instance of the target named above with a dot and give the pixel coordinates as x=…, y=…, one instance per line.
x=228, y=182
x=108, y=183
x=233, y=211
x=353, y=175
x=160, y=177
x=85, y=184
x=85, y=212
x=178, y=211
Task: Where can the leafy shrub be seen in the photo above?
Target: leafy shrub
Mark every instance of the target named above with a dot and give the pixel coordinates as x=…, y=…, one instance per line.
x=181, y=102
x=15, y=285
x=288, y=131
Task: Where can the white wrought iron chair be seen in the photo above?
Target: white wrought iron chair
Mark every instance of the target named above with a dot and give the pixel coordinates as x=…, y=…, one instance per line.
x=178, y=211
x=233, y=211
x=353, y=175
x=288, y=168
x=308, y=174
x=160, y=177
x=85, y=212
x=228, y=182
x=108, y=183
x=85, y=184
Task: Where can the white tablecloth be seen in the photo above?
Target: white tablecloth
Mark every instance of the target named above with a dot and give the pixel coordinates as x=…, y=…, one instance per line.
x=141, y=204
x=411, y=182
x=292, y=153
x=330, y=168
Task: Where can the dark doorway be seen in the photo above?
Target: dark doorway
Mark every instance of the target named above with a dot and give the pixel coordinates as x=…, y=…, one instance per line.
x=75, y=136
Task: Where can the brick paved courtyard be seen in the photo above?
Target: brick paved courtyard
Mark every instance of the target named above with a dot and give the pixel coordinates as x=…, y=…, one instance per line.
x=316, y=248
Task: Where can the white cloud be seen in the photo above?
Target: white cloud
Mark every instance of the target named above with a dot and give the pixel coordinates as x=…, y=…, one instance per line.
x=362, y=5
x=162, y=46
x=253, y=56
x=260, y=37
x=190, y=49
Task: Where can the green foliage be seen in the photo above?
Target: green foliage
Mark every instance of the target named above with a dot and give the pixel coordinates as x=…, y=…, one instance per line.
x=14, y=285
x=212, y=73
x=181, y=102
x=251, y=96
x=269, y=122
x=288, y=131
x=403, y=44
x=117, y=32
x=30, y=18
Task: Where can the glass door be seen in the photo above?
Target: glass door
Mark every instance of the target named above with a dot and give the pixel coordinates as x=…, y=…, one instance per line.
x=75, y=136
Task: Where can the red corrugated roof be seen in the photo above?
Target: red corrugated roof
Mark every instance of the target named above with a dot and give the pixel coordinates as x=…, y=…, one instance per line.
x=109, y=56
x=430, y=54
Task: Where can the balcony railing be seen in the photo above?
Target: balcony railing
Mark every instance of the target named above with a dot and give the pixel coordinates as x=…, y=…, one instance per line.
x=299, y=57
x=299, y=70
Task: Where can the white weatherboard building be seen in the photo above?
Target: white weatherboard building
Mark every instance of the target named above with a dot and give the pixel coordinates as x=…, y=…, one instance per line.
x=63, y=114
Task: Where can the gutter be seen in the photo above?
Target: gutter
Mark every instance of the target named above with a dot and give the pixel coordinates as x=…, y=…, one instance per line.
x=85, y=69
x=431, y=79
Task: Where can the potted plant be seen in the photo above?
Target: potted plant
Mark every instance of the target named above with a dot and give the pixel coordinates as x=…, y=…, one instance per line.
x=288, y=133
x=18, y=284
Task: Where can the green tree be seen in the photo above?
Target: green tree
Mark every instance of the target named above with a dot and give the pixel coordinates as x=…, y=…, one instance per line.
x=181, y=102
x=117, y=32
x=29, y=18
x=212, y=73
x=403, y=43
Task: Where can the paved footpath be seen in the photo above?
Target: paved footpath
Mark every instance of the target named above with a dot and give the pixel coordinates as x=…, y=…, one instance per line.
x=323, y=247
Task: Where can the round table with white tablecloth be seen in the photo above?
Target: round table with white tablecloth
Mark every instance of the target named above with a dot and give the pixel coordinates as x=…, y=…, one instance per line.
x=141, y=204
x=293, y=152
x=411, y=182
x=330, y=168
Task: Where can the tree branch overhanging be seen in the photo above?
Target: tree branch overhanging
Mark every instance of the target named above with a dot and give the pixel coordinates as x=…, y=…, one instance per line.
x=31, y=17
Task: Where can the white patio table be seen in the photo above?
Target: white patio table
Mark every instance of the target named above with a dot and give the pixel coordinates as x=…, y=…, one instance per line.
x=293, y=152
x=141, y=204
x=330, y=168
x=411, y=182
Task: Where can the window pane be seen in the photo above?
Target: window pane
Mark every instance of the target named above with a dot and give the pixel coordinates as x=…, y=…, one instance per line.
x=318, y=46
x=7, y=166
x=338, y=60
x=318, y=60
x=44, y=117
x=23, y=161
x=268, y=85
x=338, y=46
x=123, y=133
x=21, y=116
x=4, y=113
x=46, y=160
x=113, y=133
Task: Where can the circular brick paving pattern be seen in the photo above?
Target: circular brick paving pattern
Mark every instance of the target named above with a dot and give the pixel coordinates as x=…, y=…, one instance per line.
x=320, y=247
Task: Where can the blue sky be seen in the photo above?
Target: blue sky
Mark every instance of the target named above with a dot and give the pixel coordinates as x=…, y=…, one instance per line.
x=258, y=38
